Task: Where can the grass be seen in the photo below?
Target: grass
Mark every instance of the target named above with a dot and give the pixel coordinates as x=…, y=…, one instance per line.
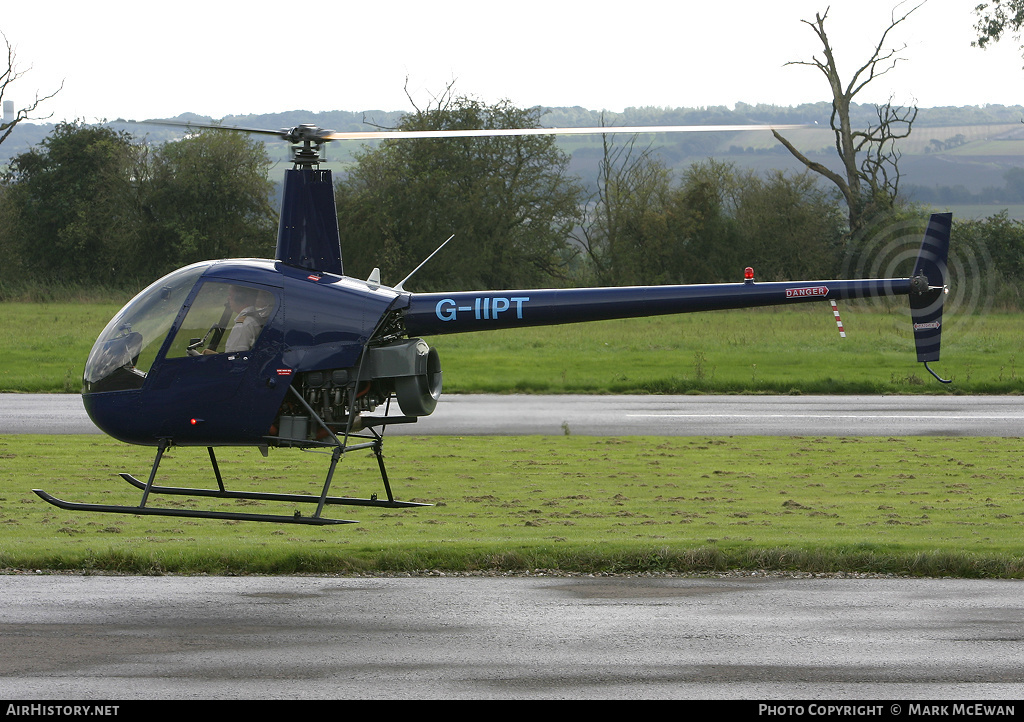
x=46, y=344
x=917, y=506
x=791, y=350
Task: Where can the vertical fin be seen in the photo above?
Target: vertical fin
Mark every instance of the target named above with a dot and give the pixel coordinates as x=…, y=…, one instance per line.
x=929, y=287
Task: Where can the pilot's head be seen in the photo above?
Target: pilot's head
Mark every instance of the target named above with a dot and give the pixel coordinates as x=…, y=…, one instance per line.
x=241, y=297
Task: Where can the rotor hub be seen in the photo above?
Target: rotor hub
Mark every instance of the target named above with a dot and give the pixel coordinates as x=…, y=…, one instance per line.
x=306, y=133
x=311, y=138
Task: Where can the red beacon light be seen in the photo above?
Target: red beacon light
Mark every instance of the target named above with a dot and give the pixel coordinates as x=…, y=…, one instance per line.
x=748, y=275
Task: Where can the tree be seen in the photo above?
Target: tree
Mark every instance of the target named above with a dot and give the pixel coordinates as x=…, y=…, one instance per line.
x=786, y=226
x=790, y=227
x=643, y=228
x=997, y=17
x=71, y=207
x=509, y=201
x=704, y=226
x=627, y=237
x=997, y=244
x=91, y=205
x=208, y=196
x=869, y=179
x=8, y=77
x=1015, y=184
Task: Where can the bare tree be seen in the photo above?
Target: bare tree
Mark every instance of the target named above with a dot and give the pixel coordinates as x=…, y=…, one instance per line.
x=7, y=77
x=869, y=180
x=626, y=237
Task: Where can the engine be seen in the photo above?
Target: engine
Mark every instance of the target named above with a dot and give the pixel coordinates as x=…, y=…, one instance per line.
x=409, y=370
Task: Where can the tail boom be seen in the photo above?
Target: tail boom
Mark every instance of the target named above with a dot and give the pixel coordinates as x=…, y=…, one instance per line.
x=464, y=311
x=429, y=314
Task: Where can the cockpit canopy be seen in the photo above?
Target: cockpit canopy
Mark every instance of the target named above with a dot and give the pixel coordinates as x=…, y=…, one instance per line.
x=221, y=316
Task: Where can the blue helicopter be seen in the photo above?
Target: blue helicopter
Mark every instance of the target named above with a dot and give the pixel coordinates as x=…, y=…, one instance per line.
x=291, y=352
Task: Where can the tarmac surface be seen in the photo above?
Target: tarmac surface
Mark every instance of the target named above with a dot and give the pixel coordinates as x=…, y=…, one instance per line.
x=536, y=637
x=625, y=415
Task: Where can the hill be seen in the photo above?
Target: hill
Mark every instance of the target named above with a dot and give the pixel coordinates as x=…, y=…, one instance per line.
x=956, y=157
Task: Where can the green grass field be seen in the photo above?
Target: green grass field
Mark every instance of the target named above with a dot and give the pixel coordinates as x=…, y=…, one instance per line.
x=927, y=506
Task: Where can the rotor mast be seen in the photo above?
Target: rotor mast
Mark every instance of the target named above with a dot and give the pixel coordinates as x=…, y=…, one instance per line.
x=308, y=235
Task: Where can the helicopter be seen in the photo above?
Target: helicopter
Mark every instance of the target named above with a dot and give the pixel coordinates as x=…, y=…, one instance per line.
x=292, y=353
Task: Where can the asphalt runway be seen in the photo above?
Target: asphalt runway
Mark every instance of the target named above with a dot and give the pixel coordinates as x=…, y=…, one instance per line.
x=317, y=638
x=630, y=415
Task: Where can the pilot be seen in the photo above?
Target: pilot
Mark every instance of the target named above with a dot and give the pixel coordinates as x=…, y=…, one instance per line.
x=250, y=316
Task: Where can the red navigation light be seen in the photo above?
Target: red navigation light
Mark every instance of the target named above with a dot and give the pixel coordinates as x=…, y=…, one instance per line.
x=748, y=274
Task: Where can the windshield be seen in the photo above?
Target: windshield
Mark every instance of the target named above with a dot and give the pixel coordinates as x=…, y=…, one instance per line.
x=125, y=351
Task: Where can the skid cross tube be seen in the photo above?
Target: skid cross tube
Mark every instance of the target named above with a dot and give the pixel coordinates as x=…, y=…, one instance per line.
x=321, y=500
x=160, y=449
x=342, y=446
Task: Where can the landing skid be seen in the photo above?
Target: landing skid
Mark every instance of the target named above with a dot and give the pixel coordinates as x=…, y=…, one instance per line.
x=187, y=513
x=220, y=492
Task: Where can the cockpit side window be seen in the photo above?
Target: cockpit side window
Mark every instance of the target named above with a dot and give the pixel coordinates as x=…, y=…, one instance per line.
x=223, y=318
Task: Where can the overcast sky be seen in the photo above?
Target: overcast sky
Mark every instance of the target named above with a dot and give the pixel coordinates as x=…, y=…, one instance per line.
x=152, y=59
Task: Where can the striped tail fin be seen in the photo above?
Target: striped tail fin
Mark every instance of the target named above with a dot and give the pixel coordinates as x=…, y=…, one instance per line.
x=929, y=286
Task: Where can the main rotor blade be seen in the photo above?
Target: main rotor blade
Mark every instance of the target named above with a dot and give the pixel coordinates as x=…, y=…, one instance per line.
x=211, y=126
x=494, y=132
x=317, y=135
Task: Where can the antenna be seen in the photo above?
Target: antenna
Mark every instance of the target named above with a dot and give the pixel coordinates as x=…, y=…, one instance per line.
x=399, y=286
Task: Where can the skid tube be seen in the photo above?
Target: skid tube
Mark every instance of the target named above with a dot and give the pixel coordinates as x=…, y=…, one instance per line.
x=186, y=513
x=221, y=492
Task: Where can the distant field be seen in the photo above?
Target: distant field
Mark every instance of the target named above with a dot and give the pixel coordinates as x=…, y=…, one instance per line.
x=976, y=140
x=996, y=142
x=791, y=350
x=980, y=211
